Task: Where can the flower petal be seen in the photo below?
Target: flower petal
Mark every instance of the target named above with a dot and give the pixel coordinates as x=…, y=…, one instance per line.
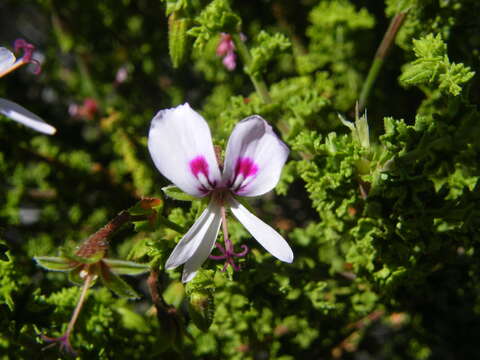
x=25, y=117
x=254, y=158
x=181, y=148
x=270, y=239
x=204, y=231
x=7, y=59
x=193, y=264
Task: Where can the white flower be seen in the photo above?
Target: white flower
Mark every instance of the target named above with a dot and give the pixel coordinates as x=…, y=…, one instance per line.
x=8, y=63
x=181, y=147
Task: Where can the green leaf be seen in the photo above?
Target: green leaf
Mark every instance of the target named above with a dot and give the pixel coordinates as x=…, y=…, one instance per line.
x=116, y=284
x=176, y=193
x=55, y=263
x=177, y=39
x=122, y=267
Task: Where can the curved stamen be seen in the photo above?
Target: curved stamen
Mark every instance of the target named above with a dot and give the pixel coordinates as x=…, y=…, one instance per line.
x=228, y=252
x=28, y=49
x=243, y=253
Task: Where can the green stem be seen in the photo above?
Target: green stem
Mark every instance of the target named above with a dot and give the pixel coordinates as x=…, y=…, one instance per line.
x=258, y=82
x=380, y=56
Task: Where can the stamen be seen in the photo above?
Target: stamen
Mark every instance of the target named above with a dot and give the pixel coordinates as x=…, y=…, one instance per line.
x=28, y=49
x=228, y=253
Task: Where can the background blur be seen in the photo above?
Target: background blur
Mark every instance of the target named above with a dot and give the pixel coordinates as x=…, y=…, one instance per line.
x=385, y=237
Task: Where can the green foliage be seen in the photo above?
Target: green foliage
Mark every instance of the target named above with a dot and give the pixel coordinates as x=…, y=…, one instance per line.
x=381, y=212
x=267, y=47
x=215, y=18
x=434, y=67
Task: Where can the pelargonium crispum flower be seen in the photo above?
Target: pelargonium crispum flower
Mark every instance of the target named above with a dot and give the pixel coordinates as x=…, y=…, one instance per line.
x=181, y=146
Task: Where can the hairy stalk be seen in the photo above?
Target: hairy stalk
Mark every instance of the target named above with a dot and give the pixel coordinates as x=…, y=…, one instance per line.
x=97, y=241
x=64, y=340
x=258, y=82
x=80, y=303
x=380, y=56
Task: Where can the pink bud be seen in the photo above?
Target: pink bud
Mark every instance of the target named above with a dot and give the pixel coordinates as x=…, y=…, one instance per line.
x=225, y=45
x=230, y=61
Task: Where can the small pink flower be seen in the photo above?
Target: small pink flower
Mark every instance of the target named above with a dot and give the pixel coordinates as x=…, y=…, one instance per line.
x=226, y=48
x=181, y=147
x=230, y=61
x=85, y=111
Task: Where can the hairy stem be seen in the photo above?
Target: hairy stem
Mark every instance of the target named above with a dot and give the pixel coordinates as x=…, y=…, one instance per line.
x=226, y=239
x=98, y=241
x=380, y=56
x=258, y=82
x=78, y=308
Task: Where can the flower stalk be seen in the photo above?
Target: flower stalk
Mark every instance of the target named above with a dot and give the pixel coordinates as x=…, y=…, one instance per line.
x=228, y=253
x=64, y=340
x=258, y=82
x=380, y=56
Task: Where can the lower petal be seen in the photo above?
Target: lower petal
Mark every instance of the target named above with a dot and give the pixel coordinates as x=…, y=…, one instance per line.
x=270, y=239
x=197, y=235
x=205, y=248
x=25, y=117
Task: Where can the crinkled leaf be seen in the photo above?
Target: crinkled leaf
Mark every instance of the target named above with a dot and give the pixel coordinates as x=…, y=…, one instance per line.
x=122, y=267
x=202, y=281
x=433, y=67
x=268, y=47
x=215, y=18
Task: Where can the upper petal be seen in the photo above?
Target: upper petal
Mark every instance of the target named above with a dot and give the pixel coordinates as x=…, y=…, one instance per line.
x=200, y=234
x=254, y=158
x=6, y=59
x=271, y=240
x=22, y=115
x=181, y=147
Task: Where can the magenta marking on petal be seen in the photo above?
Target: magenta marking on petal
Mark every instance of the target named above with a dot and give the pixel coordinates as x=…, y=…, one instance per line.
x=246, y=167
x=199, y=165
